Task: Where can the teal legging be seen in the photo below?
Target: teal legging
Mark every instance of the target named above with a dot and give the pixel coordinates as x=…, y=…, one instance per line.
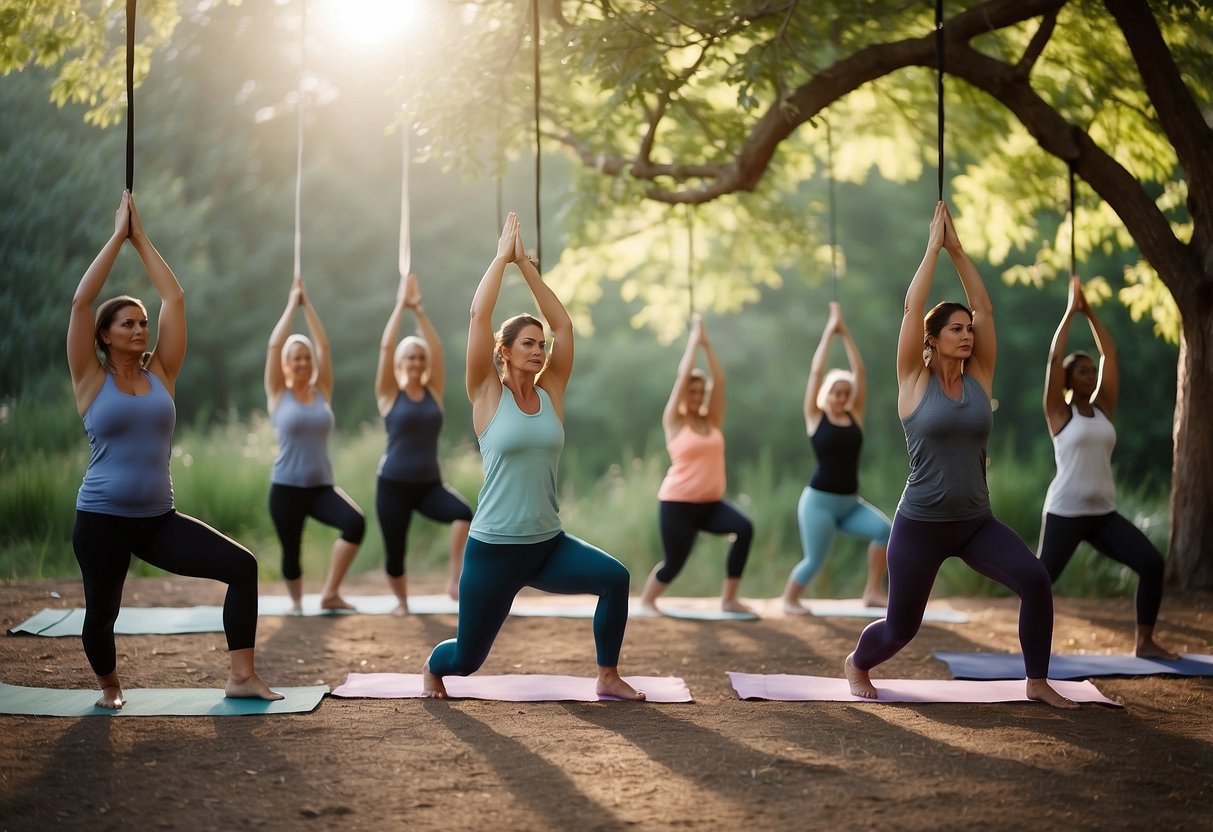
x=821, y=514
x=493, y=573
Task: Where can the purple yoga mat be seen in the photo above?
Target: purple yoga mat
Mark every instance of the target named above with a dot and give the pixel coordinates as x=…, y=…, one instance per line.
x=788, y=688
x=513, y=688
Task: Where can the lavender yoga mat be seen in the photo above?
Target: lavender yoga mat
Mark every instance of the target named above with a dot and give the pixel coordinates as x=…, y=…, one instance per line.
x=1010, y=666
x=788, y=688
x=513, y=688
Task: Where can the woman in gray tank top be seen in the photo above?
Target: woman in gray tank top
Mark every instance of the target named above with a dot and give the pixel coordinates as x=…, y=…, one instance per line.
x=945, y=374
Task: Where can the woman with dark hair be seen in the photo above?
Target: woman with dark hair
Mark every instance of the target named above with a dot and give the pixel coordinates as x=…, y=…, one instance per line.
x=409, y=385
x=945, y=374
x=833, y=417
x=298, y=389
x=1081, y=501
x=517, y=394
x=691, y=497
x=125, y=504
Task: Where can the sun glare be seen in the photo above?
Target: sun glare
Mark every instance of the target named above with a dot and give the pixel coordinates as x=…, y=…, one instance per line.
x=371, y=22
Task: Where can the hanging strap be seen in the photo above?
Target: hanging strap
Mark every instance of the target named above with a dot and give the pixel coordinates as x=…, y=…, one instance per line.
x=538, y=155
x=406, y=242
x=1073, y=222
x=939, y=87
x=691, y=260
x=830, y=206
x=130, y=95
x=299, y=104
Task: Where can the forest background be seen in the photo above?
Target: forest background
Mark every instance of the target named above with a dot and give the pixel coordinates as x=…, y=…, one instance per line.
x=215, y=180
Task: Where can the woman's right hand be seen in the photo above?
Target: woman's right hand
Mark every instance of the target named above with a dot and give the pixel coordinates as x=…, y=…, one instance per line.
x=938, y=227
x=698, y=334
x=122, y=217
x=410, y=290
x=296, y=297
x=1077, y=304
x=834, y=321
x=509, y=238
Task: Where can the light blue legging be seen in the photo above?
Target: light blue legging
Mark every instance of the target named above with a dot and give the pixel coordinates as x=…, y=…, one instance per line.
x=493, y=573
x=821, y=514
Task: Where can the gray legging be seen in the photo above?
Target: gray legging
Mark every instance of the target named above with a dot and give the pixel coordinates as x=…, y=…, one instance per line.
x=918, y=548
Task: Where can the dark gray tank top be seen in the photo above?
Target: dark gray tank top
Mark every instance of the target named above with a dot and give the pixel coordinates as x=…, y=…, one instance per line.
x=947, y=442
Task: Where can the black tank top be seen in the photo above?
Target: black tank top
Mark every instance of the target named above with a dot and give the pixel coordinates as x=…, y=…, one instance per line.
x=837, y=450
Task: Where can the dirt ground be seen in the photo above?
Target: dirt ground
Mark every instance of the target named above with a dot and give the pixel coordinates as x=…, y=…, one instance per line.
x=718, y=763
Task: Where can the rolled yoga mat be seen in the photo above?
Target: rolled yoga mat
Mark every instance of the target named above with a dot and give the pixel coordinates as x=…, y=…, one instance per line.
x=154, y=702
x=788, y=688
x=1010, y=665
x=512, y=688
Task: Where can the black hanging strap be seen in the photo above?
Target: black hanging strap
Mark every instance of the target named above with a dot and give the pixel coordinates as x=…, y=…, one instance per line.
x=538, y=153
x=691, y=260
x=1073, y=223
x=939, y=89
x=130, y=95
x=830, y=204
x=299, y=104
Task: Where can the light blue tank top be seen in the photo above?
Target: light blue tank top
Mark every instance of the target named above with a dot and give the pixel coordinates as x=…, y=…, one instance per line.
x=521, y=452
x=303, y=436
x=130, y=441
x=947, y=444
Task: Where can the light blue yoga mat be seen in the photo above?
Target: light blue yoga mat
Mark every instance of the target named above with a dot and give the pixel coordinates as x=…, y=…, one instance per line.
x=1010, y=666
x=855, y=608
x=154, y=702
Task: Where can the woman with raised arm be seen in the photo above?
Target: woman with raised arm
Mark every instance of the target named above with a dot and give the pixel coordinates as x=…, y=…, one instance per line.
x=945, y=374
x=833, y=417
x=298, y=389
x=517, y=394
x=692, y=494
x=1081, y=501
x=409, y=385
x=125, y=504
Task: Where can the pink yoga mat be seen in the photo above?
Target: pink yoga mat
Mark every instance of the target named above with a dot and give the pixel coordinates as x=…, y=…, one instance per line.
x=788, y=688
x=513, y=688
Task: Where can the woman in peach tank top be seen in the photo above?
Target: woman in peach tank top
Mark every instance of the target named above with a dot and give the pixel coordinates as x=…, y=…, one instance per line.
x=692, y=493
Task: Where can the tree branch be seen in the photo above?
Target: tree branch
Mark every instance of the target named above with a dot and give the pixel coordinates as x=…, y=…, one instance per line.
x=1039, y=41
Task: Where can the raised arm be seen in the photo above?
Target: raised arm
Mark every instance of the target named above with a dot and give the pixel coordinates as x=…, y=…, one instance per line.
x=1107, y=390
x=169, y=352
x=985, y=341
x=87, y=373
x=912, y=371
x=386, y=386
x=554, y=377
x=321, y=356
x=671, y=422
x=1057, y=411
x=717, y=400
x=481, y=371
x=437, y=382
x=275, y=382
x=817, y=368
x=859, y=390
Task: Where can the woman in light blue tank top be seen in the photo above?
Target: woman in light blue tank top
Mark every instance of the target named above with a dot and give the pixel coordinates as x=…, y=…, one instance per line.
x=125, y=505
x=517, y=395
x=298, y=389
x=945, y=373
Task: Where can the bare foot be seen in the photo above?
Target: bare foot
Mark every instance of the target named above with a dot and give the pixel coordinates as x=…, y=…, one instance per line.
x=296, y=608
x=431, y=684
x=400, y=610
x=1040, y=691
x=733, y=605
x=611, y=684
x=875, y=600
x=795, y=608
x=858, y=680
x=250, y=688
x=648, y=608
x=336, y=603
x=111, y=698
x=1150, y=649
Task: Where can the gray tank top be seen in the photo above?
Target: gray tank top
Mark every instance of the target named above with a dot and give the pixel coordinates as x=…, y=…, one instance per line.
x=303, y=436
x=947, y=442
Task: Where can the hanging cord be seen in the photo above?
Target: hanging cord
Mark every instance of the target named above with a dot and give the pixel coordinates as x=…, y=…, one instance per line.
x=939, y=88
x=535, y=56
x=1073, y=223
x=830, y=203
x=406, y=247
x=299, y=142
x=499, y=216
x=130, y=95
x=691, y=260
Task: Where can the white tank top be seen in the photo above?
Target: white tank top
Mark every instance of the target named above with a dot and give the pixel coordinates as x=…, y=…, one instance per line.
x=1083, y=450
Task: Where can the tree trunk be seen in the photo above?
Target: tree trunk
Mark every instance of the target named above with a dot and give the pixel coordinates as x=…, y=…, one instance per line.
x=1190, y=560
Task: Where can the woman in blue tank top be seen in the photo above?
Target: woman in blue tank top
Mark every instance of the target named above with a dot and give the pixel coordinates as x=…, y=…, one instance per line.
x=409, y=384
x=834, y=408
x=125, y=505
x=945, y=374
x=298, y=389
x=517, y=394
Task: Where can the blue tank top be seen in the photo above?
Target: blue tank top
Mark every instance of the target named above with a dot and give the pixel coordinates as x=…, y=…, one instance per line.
x=412, y=440
x=521, y=452
x=303, y=436
x=947, y=444
x=837, y=450
x=130, y=440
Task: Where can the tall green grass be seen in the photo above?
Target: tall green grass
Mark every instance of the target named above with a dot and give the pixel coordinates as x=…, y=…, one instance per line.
x=221, y=476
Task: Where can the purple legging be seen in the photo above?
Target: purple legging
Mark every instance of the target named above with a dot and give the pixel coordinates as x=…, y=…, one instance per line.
x=916, y=551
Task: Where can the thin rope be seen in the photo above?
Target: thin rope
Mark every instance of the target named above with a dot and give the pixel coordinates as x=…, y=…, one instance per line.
x=832, y=212
x=130, y=95
x=538, y=153
x=406, y=243
x=691, y=259
x=939, y=89
x=1073, y=223
x=299, y=142
x=499, y=216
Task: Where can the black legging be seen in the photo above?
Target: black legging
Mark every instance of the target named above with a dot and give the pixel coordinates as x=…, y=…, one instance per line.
x=680, y=522
x=395, y=503
x=1114, y=536
x=290, y=506
x=174, y=542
